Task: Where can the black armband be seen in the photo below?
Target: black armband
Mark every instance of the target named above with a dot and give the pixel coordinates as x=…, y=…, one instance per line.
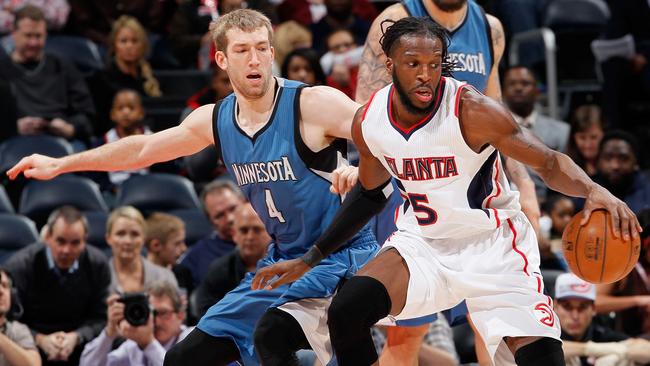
x=358, y=208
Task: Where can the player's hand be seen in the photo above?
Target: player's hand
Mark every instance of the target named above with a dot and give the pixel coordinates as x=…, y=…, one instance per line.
x=36, y=166
x=624, y=221
x=286, y=271
x=343, y=179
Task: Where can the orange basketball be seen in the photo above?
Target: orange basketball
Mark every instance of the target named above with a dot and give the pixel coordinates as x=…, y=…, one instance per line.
x=594, y=253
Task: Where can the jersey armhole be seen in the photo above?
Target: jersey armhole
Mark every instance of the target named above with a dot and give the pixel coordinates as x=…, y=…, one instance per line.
x=325, y=160
x=488, y=32
x=215, y=128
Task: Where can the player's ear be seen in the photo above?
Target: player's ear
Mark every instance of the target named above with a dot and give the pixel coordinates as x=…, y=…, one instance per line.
x=389, y=65
x=220, y=59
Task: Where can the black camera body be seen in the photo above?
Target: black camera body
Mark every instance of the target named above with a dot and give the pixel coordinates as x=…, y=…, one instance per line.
x=136, y=308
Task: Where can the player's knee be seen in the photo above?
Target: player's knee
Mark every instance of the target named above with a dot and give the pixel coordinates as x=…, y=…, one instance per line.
x=543, y=352
x=360, y=304
x=272, y=323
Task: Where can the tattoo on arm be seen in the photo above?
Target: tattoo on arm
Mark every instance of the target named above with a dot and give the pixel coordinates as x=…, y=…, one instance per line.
x=372, y=73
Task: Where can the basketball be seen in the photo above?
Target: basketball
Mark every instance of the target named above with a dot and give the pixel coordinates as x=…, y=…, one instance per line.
x=592, y=251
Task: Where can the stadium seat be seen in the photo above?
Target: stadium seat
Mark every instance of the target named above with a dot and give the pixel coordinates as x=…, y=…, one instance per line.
x=197, y=225
x=550, y=276
x=39, y=198
x=16, y=232
x=16, y=148
x=204, y=165
x=97, y=231
x=5, y=204
x=158, y=192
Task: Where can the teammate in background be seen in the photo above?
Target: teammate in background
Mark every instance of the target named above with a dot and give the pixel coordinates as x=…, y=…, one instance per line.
x=282, y=150
x=461, y=234
x=477, y=45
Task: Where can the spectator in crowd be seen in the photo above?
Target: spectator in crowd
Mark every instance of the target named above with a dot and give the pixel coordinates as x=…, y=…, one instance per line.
x=220, y=200
x=618, y=170
x=165, y=243
x=93, y=19
x=339, y=16
x=587, y=129
x=307, y=12
x=8, y=111
x=219, y=88
x=145, y=345
x=584, y=342
x=627, y=79
x=51, y=95
x=560, y=209
x=17, y=347
x=55, y=13
x=630, y=297
x=520, y=94
x=127, y=68
x=225, y=273
x=342, y=59
x=127, y=115
x=63, y=287
x=289, y=36
x=302, y=65
x=130, y=271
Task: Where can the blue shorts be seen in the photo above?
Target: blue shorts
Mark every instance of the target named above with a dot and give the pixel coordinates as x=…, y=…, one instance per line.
x=236, y=315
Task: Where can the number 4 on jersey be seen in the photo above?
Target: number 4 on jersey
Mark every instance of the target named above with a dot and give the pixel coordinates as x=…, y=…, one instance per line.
x=273, y=212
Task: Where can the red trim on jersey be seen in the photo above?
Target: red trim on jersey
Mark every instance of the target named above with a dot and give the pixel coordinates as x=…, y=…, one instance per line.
x=458, y=93
x=496, y=182
x=539, y=284
x=407, y=131
x=514, y=246
x=363, y=117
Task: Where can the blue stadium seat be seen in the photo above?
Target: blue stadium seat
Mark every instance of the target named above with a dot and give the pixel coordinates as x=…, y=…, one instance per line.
x=197, y=225
x=16, y=148
x=39, y=198
x=16, y=232
x=5, y=204
x=97, y=231
x=158, y=192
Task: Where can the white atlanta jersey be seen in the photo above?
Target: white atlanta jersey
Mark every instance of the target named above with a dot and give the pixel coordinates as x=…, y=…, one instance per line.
x=450, y=191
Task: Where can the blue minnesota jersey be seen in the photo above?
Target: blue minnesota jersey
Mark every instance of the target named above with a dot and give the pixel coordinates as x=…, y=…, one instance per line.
x=471, y=44
x=284, y=180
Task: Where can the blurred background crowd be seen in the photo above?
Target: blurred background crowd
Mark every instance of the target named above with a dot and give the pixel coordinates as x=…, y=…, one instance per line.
x=75, y=74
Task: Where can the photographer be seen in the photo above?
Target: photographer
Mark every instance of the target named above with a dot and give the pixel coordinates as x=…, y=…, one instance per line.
x=144, y=344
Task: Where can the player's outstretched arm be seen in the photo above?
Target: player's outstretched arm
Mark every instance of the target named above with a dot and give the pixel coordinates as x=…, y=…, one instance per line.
x=559, y=172
x=133, y=152
x=365, y=201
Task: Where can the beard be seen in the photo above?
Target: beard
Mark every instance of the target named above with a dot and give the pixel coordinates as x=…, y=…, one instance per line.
x=449, y=6
x=404, y=98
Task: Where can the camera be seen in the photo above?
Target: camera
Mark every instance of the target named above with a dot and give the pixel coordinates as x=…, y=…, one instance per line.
x=136, y=308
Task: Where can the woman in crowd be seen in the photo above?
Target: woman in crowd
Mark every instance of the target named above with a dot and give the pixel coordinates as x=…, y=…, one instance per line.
x=130, y=271
x=303, y=65
x=587, y=129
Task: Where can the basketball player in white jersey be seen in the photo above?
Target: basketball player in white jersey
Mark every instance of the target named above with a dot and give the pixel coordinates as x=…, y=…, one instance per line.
x=461, y=234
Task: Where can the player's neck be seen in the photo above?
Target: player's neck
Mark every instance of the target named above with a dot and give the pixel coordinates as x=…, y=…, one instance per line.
x=403, y=116
x=449, y=20
x=255, y=112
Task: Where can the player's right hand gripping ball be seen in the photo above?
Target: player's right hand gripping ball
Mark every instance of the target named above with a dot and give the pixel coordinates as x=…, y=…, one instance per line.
x=592, y=251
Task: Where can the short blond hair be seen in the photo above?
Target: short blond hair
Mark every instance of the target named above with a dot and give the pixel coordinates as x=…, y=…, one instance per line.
x=161, y=226
x=127, y=212
x=245, y=19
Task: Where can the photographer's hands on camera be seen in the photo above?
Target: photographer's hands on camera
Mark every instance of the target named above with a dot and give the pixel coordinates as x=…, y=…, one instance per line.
x=118, y=326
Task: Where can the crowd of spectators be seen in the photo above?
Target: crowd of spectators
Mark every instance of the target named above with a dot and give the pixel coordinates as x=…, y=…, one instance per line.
x=92, y=72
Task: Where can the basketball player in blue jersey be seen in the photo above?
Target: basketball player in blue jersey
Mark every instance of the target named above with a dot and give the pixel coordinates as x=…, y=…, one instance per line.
x=461, y=234
x=477, y=45
x=281, y=143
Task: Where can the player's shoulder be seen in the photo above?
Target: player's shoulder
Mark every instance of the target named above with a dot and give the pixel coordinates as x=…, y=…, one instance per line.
x=495, y=25
x=323, y=97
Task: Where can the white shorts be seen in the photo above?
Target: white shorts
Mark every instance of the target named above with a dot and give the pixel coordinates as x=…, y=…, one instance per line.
x=496, y=273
